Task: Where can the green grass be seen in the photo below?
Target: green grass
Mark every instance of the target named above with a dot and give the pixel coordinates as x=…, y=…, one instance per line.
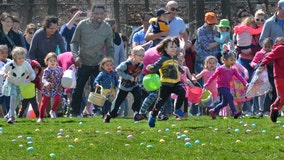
x=97, y=140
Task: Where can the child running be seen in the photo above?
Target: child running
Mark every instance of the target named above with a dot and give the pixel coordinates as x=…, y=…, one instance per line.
x=169, y=70
x=276, y=56
x=16, y=72
x=52, y=88
x=107, y=79
x=128, y=72
x=224, y=75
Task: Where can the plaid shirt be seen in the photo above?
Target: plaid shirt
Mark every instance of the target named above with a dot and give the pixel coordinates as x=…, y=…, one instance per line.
x=204, y=37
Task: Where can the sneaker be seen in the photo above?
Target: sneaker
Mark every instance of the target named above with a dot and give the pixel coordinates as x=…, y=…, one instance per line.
x=39, y=120
x=179, y=113
x=273, y=115
x=6, y=117
x=151, y=120
x=138, y=117
x=260, y=114
x=237, y=114
x=162, y=117
x=144, y=115
x=52, y=114
x=107, y=118
x=213, y=115
x=11, y=120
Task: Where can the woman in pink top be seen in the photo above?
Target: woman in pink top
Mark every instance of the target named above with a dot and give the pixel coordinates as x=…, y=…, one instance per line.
x=223, y=76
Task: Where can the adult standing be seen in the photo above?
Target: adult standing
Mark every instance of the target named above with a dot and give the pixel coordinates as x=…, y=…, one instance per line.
x=177, y=25
x=94, y=37
x=28, y=34
x=45, y=40
x=7, y=35
x=273, y=28
x=205, y=44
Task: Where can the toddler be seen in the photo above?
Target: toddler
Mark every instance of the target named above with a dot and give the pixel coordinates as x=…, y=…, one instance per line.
x=52, y=88
x=107, y=79
x=244, y=33
x=224, y=30
x=159, y=24
x=16, y=72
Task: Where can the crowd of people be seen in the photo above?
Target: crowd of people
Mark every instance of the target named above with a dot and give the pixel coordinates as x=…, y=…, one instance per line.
x=220, y=58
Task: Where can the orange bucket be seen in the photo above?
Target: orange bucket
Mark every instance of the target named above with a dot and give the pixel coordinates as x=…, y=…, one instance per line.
x=194, y=94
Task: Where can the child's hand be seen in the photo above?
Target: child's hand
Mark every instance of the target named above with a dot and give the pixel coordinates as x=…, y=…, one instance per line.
x=188, y=82
x=149, y=67
x=5, y=75
x=97, y=85
x=47, y=85
x=134, y=79
x=205, y=88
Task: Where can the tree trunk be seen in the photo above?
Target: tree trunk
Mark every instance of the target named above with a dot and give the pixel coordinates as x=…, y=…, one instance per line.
x=225, y=7
x=52, y=7
x=147, y=8
x=116, y=13
x=26, y=12
x=191, y=20
x=199, y=12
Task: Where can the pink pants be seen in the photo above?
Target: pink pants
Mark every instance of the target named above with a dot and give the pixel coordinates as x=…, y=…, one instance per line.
x=44, y=102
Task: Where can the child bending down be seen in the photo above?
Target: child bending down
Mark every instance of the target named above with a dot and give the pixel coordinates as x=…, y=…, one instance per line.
x=224, y=75
x=169, y=70
x=128, y=72
x=16, y=73
x=52, y=88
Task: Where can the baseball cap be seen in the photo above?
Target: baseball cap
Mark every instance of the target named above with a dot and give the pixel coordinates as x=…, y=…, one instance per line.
x=210, y=18
x=281, y=4
x=162, y=11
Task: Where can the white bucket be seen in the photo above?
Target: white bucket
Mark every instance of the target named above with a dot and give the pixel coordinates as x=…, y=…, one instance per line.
x=69, y=78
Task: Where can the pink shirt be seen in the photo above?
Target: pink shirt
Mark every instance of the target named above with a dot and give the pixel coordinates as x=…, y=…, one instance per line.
x=150, y=57
x=224, y=77
x=258, y=58
x=65, y=60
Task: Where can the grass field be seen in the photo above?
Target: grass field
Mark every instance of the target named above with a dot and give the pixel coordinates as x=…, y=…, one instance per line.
x=191, y=138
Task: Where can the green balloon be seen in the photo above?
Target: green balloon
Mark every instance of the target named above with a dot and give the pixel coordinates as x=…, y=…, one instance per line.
x=151, y=82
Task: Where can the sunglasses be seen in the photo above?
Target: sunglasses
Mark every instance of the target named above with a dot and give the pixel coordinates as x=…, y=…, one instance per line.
x=31, y=32
x=259, y=20
x=139, y=55
x=243, y=16
x=174, y=9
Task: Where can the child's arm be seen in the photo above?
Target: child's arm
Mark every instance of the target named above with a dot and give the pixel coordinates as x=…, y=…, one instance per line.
x=200, y=75
x=238, y=75
x=242, y=70
x=98, y=79
x=212, y=77
x=120, y=70
x=254, y=31
x=32, y=74
x=224, y=36
x=156, y=66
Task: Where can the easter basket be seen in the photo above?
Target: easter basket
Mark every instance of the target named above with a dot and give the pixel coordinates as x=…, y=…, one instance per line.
x=96, y=98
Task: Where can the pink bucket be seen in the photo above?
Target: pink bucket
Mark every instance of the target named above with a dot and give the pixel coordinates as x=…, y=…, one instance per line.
x=194, y=94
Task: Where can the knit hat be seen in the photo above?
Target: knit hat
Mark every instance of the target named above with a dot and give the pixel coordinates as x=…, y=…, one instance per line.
x=224, y=23
x=210, y=18
x=162, y=11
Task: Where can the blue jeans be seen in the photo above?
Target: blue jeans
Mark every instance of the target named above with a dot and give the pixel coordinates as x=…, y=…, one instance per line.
x=148, y=101
x=227, y=99
x=82, y=75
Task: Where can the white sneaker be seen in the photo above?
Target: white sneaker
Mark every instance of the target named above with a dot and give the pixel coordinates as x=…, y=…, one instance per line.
x=52, y=114
x=39, y=120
